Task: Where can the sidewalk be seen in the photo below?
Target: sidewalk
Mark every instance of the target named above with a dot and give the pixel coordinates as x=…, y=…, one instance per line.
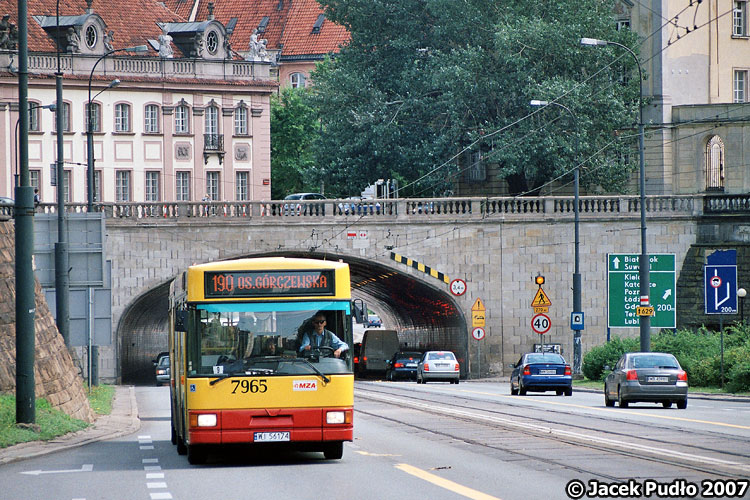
x=122, y=421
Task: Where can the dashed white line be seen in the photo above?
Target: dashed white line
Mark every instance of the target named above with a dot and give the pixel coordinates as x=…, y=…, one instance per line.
x=161, y=496
x=152, y=467
x=153, y=486
x=155, y=475
x=146, y=447
x=150, y=461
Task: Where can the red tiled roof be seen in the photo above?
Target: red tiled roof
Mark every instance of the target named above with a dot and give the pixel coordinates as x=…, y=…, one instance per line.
x=133, y=21
x=289, y=28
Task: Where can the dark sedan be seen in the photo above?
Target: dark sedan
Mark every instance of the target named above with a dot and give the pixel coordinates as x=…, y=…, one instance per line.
x=541, y=372
x=403, y=365
x=647, y=377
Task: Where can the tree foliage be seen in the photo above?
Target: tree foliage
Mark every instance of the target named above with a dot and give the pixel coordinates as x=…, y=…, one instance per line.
x=293, y=127
x=422, y=80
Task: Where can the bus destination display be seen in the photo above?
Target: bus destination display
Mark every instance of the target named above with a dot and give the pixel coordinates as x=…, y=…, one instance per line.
x=268, y=283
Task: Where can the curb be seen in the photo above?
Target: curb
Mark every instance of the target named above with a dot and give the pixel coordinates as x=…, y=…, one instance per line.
x=122, y=421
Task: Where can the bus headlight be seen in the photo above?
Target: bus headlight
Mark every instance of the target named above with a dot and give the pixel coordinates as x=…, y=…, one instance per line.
x=207, y=420
x=335, y=417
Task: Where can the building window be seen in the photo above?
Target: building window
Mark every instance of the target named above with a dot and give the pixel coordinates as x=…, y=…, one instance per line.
x=91, y=36
x=182, y=186
x=318, y=23
x=212, y=120
x=297, y=80
x=151, y=125
x=152, y=186
x=715, y=164
x=623, y=24
x=65, y=117
x=34, y=114
x=212, y=186
x=740, y=85
x=122, y=117
x=34, y=179
x=182, y=119
x=122, y=185
x=212, y=42
x=242, y=186
x=96, y=117
x=66, y=186
x=97, y=186
x=240, y=120
x=739, y=18
x=475, y=170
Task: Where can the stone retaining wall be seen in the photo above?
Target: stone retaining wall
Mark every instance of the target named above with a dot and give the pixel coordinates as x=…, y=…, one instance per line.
x=55, y=374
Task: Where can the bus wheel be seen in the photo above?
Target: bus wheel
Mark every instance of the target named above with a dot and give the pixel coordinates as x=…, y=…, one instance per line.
x=334, y=451
x=196, y=454
x=181, y=448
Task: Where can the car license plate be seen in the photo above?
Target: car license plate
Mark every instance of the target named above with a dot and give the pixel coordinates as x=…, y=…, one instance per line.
x=411, y=365
x=547, y=372
x=269, y=437
x=658, y=379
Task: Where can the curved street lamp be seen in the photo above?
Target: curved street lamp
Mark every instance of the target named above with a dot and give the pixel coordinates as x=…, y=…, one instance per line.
x=89, y=122
x=643, y=266
x=577, y=307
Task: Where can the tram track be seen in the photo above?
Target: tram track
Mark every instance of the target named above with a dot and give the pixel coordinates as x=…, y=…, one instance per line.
x=684, y=456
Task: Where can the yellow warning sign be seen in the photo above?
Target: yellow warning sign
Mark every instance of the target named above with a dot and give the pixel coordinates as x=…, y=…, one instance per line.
x=478, y=305
x=541, y=299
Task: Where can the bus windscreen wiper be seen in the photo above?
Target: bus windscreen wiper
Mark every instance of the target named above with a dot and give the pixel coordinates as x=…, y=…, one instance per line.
x=318, y=372
x=237, y=373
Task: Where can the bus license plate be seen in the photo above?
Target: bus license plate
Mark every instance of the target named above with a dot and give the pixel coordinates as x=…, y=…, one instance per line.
x=270, y=437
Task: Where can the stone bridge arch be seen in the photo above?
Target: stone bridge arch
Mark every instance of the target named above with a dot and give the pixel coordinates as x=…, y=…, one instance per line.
x=424, y=314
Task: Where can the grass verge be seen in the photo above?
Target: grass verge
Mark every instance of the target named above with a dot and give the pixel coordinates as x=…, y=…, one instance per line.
x=50, y=423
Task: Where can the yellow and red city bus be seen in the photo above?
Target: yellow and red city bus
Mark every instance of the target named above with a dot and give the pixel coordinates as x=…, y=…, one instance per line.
x=238, y=373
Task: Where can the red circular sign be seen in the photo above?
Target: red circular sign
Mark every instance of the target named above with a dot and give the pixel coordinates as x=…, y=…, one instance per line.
x=715, y=281
x=541, y=324
x=458, y=287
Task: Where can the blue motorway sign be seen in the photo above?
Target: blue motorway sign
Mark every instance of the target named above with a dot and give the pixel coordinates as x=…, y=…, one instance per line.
x=720, y=282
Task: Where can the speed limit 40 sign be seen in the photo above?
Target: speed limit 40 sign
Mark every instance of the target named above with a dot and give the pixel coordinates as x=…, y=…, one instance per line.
x=540, y=323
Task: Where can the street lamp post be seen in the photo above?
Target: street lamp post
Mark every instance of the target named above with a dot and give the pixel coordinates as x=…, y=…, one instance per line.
x=643, y=265
x=577, y=307
x=89, y=123
x=32, y=107
x=741, y=293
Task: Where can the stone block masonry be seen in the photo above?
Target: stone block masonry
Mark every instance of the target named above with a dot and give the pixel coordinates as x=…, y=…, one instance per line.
x=56, y=376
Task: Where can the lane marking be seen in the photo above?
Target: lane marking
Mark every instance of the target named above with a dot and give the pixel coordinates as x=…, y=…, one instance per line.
x=155, y=475
x=150, y=461
x=445, y=483
x=146, y=447
x=152, y=467
x=609, y=410
x=161, y=496
x=84, y=468
x=368, y=454
x=545, y=431
x=153, y=486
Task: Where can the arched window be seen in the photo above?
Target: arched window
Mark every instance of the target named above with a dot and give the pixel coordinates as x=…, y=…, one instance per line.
x=122, y=117
x=240, y=119
x=715, y=164
x=297, y=80
x=182, y=119
x=151, y=119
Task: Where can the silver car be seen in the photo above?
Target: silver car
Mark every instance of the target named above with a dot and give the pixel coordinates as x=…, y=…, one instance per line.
x=649, y=377
x=438, y=365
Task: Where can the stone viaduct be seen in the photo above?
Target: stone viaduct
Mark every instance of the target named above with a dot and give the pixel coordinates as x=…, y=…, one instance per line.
x=497, y=245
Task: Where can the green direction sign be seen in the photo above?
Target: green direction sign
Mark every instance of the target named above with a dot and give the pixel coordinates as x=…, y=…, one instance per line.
x=624, y=293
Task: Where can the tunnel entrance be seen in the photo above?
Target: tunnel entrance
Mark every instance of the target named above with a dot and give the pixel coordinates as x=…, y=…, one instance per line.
x=423, y=313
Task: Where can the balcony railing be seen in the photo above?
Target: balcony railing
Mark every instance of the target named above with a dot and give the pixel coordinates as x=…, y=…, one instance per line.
x=213, y=144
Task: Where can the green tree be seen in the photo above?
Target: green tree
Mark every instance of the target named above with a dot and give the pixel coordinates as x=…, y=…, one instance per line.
x=293, y=129
x=422, y=80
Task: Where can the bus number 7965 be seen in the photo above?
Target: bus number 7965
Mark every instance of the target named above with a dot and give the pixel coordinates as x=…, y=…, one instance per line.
x=253, y=386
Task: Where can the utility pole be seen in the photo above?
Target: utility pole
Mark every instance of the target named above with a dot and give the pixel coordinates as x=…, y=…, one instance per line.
x=24, y=220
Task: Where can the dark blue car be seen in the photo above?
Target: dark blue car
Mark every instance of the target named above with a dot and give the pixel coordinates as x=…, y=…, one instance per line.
x=403, y=365
x=541, y=372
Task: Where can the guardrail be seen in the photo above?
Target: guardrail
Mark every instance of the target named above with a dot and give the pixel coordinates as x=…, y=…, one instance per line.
x=424, y=208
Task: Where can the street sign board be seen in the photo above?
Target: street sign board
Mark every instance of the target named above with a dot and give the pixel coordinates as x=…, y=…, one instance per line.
x=720, y=278
x=624, y=296
x=477, y=314
x=541, y=324
x=541, y=299
x=576, y=321
x=477, y=333
x=458, y=287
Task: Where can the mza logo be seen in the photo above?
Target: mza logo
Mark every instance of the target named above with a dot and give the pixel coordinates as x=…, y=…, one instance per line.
x=305, y=385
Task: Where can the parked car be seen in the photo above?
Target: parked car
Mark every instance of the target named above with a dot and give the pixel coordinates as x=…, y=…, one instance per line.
x=438, y=365
x=162, y=371
x=403, y=365
x=541, y=372
x=304, y=208
x=647, y=377
x=373, y=320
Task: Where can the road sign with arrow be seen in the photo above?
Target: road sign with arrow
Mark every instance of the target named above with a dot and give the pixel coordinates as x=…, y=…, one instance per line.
x=624, y=296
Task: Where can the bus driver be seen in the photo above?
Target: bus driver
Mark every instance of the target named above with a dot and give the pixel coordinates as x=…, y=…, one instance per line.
x=320, y=336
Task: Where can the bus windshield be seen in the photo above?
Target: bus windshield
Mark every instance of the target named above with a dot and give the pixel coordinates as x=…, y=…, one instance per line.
x=239, y=339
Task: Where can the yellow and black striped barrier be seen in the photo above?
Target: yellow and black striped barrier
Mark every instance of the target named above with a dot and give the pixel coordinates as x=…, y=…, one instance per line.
x=420, y=267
